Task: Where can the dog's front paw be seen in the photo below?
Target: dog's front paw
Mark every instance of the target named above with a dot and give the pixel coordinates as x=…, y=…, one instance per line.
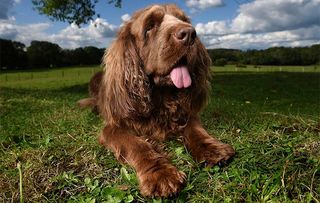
x=213, y=153
x=161, y=181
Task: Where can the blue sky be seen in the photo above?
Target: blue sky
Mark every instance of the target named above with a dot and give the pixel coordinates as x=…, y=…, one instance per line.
x=239, y=24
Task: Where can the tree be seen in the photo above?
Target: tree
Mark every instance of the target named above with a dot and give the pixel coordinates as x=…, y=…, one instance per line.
x=231, y=55
x=220, y=62
x=94, y=55
x=12, y=54
x=44, y=54
x=72, y=11
x=80, y=56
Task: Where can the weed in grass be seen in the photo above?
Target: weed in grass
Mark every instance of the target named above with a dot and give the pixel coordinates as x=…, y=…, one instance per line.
x=271, y=118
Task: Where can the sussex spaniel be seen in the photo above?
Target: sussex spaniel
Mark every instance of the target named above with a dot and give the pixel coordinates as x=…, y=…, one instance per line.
x=154, y=84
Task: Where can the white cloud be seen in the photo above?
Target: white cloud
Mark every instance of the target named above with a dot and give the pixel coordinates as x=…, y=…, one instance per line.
x=266, y=15
x=298, y=37
x=197, y=5
x=213, y=28
x=203, y=4
x=98, y=33
x=23, y=33
x=6, y=6
x=265, y=23
x=7, y=30
x=125, y=17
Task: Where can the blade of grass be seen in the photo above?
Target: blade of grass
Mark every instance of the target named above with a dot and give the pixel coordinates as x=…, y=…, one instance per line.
x=20, y=181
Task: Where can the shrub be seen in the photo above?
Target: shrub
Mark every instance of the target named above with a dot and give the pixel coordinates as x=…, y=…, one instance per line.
x=240, y=65
x=220, y=62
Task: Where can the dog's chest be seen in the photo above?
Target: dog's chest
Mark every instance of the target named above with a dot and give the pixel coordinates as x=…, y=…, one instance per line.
x=170, y=114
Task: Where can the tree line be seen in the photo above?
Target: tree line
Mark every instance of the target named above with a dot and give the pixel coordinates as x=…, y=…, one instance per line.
x=272, y=56
x=43, y=54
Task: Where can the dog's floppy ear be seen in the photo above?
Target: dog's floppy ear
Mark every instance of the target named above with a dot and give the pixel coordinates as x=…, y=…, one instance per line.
x=125, y=88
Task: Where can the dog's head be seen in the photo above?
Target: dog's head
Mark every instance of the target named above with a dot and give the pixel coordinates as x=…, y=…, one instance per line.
x=158, y=46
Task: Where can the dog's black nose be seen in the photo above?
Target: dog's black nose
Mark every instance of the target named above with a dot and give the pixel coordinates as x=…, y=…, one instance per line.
x=186, y=35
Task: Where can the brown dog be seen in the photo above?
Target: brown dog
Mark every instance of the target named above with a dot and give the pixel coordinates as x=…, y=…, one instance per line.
x=154, y=84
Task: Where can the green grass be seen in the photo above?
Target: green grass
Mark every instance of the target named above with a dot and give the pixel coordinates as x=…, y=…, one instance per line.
x=271, y=118
x=47, y=78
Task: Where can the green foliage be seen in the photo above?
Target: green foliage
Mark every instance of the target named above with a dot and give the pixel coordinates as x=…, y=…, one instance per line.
x=271, y=56
x=271, y=118
x=44, y=54
x=82, y=56
x=220, y=62
x=72, y=11
x=230, y=55
x=12, y=54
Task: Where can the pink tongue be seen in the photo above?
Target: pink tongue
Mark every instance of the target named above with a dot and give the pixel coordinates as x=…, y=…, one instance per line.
x=180, y=77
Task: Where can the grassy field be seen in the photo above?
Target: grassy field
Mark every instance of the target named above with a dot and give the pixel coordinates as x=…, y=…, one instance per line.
x=271, y=116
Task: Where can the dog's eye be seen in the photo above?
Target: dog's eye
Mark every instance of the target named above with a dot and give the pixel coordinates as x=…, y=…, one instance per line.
x=149, y=27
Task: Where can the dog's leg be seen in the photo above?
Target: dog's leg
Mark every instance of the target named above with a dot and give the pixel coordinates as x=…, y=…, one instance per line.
x=205, y=148
x=157, y=176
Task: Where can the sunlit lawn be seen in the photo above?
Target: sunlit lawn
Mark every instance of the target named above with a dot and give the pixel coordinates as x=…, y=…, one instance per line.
x=269, y=114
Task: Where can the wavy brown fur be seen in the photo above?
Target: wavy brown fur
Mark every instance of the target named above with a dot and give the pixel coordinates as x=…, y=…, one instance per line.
x=141, y=106
x=94, y=86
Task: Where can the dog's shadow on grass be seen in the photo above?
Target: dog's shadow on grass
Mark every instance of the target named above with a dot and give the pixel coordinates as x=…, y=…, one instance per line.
x=76, y=89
